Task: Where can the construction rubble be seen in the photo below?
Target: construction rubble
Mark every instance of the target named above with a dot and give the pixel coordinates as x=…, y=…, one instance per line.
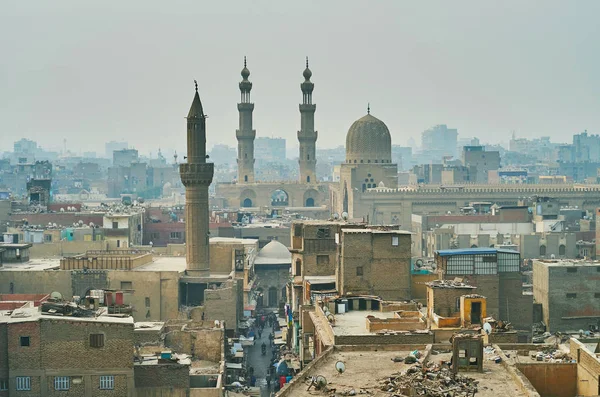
x=424, y=380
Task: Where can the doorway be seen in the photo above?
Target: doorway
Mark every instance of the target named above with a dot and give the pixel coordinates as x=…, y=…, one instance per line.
x=476, y=313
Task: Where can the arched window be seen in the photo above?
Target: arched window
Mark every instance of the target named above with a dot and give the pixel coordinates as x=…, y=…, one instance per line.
x=310, y=202
x=542, y=250
x=308, y=178
x=364, y=187
x=561, y=250
x=474, y=246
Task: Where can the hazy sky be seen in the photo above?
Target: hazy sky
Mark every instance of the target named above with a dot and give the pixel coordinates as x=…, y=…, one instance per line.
x=92, y=71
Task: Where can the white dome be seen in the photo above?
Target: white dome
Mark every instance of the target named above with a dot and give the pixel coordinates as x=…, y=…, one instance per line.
x=274, y=253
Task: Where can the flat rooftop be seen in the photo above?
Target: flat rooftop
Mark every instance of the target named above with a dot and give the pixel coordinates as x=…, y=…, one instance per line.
x=354, y=322
x=376, y=231
x=159, y=263
x=32, y=314
x=366, y=370
x=233, y=240
x=567, y=262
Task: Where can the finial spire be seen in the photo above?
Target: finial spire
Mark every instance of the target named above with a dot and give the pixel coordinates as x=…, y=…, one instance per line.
x=307, y=62
x=368, y=108
x=244, y=60
x=196, y=84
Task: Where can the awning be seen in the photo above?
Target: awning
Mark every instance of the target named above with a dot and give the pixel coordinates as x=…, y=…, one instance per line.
x=250, y=308
x=233, y=365
x=279, y=342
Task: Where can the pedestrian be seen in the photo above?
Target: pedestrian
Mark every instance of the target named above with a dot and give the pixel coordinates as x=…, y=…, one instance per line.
x=259, y=333
x=268, y=383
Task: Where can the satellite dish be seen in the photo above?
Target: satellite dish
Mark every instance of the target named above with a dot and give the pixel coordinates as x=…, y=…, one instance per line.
x=321, y=382
x=419, y=263
x=487, y=328
x=345, y=216
x=340, y=367
x=336, y=216
x=56, y=295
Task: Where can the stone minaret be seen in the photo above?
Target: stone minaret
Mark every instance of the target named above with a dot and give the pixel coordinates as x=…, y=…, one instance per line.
x=196, y=176
x=245, y=135
x=307, y=136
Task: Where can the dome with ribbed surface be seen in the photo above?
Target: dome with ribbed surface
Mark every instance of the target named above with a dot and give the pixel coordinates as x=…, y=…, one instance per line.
x=368, y=141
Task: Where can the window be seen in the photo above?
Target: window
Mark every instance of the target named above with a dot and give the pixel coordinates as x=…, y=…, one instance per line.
x=308, y=179
x=96, y=340
x=542, y=250
x=48, y=238
x=245, y=178
x=25, y=341
x=359, y=271
x=126, y=285
x=571, y=295
x=561, y=249
x=323, y=233
x=3, y=385
x=395, y=241
x=23, y=383
x=62, y=383
x=322, y=259
x=115, y=225
x=154, y=235
x=489, y=259
x=597, y=295
x=147, y=302
x=107, y=382
x=298, y=230
x=175, y=235
x=571, y=270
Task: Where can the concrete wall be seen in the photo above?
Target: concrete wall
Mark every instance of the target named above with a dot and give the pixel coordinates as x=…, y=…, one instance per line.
x=172, y=376
x=551, y=284
x=588, y=369
x=225, y=303
x=551, y=379
x=64, y=248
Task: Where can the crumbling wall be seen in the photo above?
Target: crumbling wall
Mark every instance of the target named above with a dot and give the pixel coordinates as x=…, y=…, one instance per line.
x=551, y=379
x=201, y=343
x=224, y=304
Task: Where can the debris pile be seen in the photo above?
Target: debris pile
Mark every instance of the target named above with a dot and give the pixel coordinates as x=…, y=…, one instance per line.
x=431, y=380
x=551, y=355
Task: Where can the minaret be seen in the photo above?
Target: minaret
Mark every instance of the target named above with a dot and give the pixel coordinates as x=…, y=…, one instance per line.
x=245, y=134
x=196, y=176
x=307, y=136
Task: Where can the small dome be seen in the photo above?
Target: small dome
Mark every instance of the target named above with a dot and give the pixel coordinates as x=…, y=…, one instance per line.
x=368, y=141
x=307, y=73
x=274, y=253
x=245, y=73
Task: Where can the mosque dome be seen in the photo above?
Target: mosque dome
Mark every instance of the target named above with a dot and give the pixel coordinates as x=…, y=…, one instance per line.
x=368, y=141
x=274, y=253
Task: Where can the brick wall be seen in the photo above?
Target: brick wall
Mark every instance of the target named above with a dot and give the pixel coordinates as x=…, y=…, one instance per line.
x=60, y=336
x=514, y=306
x=161, y=375
x=224, y=304
x=121, y=387
x=370, y=264
x=24, y=357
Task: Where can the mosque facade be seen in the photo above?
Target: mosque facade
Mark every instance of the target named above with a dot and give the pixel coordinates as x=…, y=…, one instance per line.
x=246, y=192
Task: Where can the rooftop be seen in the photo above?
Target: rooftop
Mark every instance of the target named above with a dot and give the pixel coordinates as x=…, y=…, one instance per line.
x=567, y=262
x=159, y=263
x=366, y=370
x=32, y=314
x=354, y=322
x=376, y=231
x=474, y=251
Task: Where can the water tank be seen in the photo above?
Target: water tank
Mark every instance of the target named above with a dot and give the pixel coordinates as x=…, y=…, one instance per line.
x=119, y=298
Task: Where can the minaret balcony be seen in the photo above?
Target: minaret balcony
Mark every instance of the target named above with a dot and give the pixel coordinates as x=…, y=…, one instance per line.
x=196, y=173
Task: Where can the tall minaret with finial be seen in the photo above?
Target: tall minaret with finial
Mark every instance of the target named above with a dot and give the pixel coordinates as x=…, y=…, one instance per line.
x=196, y=176
x=307, y=136
x=245, y=134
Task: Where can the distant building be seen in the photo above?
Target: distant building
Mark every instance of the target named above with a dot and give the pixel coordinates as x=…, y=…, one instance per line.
x=586, y=147
x=269, y=149
x=112, y=146
x=569, y=292
x=439, y=141
x=124, y=157
x=480, y=162
x=123, y=230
